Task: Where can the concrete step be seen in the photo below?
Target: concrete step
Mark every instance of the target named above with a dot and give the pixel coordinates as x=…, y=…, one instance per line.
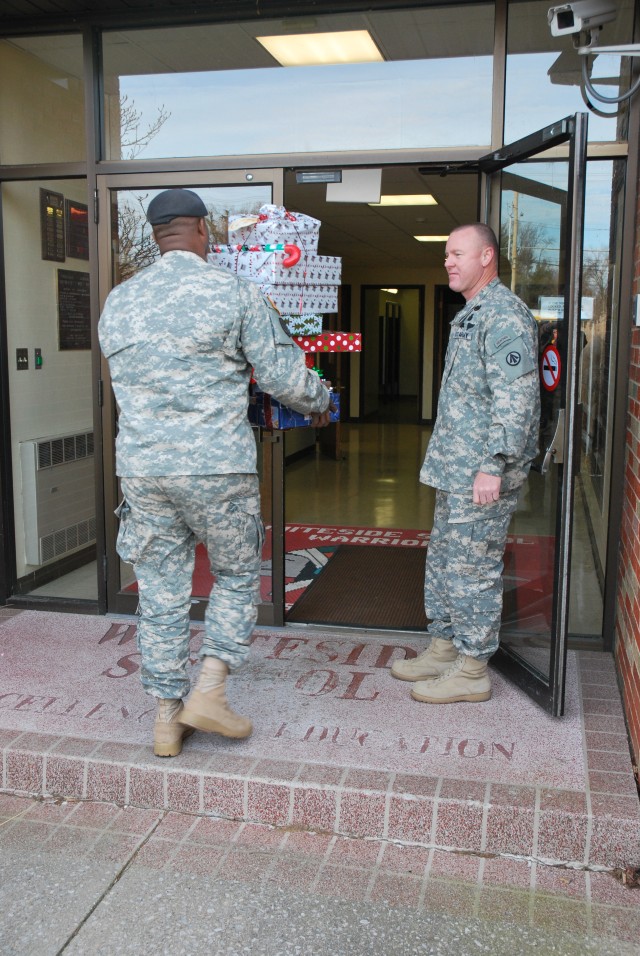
x=338, y=745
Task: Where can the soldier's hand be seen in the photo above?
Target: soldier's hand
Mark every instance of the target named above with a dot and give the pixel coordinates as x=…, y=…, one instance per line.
x=321, y=419
x=486, y=488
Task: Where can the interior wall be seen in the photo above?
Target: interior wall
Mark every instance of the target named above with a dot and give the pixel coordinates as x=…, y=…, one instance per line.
x=370, y=356
x=41, y=120
x=41, y=107
x=56, y=399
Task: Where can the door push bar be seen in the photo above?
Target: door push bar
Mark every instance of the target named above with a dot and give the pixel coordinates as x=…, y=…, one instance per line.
x=555, y=449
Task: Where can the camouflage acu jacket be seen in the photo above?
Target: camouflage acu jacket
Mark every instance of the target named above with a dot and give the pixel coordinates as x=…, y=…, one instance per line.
x=181, y=338
x=489, y=403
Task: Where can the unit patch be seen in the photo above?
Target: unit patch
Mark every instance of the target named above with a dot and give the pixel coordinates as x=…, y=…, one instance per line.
x=513, y=358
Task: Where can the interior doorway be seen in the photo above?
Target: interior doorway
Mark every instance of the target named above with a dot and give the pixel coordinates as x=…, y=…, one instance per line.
x=391, y=375
x=447, y=304
x=358, y=490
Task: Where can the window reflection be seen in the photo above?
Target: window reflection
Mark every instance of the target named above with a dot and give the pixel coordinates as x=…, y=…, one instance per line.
x=598, y=341
x=195, y=91
x=133, y=243
x=551, y=67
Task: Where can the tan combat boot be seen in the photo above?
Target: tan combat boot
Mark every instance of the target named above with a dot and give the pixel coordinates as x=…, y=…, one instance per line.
x=207, y=708
x=466, y=679
x=168, y=730
x=433, y=662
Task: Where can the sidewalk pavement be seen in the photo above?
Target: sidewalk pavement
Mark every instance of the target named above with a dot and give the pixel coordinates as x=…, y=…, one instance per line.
x=349, y=798
x=93, y=879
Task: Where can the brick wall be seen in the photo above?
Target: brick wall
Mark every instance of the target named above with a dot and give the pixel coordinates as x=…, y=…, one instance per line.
x=628, y=601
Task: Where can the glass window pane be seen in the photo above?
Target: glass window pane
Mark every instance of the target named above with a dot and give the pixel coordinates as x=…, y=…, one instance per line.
x=533, y=264
x=50, y=387
x=133, y=243
x=214, y=90
x=552, y=68
x=134, y=248
x=41, y=100
x=598, y=341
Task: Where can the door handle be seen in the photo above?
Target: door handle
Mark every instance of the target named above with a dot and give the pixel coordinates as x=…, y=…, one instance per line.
x=555, y=448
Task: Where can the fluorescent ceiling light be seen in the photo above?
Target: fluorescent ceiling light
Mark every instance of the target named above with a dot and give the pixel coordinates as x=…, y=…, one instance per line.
x=422, y=199
x=431, y=238
x=313, y=49
x=392, y=291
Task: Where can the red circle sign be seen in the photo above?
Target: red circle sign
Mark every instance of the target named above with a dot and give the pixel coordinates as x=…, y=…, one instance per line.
x=550, y=368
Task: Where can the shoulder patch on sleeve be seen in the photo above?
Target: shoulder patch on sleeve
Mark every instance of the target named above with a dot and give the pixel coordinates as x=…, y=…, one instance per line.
x=514, y=358
x=281, y=332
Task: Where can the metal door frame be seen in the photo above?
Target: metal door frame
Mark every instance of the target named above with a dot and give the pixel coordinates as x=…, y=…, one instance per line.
x=572, y=131
x=117, y=602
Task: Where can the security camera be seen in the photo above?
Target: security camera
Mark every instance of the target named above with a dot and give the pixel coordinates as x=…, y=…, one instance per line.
x=583, y=15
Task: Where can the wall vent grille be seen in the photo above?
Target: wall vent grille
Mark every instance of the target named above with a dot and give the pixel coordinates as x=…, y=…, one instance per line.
x=60, y=451
x=61, y=542
x=58, y=496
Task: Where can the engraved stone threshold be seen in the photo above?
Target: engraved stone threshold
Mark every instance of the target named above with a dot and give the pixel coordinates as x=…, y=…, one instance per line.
x=338, y=745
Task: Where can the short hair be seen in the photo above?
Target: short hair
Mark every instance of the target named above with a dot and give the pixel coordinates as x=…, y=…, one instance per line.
x=485, y=234
x=180, y=224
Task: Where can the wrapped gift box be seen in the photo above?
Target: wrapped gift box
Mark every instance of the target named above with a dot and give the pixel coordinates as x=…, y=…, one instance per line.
x=268, y=267
x=275, y=224
x=303, y=324
x=330, y=342
x=268, y=412
x=302, y=299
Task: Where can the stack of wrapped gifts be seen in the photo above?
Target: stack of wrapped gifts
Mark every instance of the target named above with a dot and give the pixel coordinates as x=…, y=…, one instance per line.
x=278, y=250
x=266, y=411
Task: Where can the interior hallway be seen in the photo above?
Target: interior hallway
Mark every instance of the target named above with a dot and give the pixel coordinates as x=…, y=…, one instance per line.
x=374, y=484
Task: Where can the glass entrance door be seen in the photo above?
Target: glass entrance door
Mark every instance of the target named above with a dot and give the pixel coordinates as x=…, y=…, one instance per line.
x=127, y=245
x=535, y=203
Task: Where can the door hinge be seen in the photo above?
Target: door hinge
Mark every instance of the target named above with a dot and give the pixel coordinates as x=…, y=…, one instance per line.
x=96, y=207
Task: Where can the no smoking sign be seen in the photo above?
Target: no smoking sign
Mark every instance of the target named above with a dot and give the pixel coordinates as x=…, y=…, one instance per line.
x=550, y=367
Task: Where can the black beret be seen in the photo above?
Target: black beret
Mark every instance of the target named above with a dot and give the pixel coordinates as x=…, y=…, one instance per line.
x=173, y=203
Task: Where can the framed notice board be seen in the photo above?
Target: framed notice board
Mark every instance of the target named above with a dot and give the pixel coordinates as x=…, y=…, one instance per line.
x=52, y=225
x=77, y=228
x=74, y=315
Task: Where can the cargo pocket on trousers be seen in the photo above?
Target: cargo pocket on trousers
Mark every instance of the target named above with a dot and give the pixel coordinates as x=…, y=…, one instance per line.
x=237, y=538
x=251, y=530
x=127, y=544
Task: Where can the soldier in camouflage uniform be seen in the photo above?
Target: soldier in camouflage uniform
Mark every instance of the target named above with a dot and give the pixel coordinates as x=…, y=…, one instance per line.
x=478, y=458
x=181, y=338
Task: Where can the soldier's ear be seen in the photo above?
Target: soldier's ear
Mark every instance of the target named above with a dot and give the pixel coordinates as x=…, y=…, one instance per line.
x=487, y=255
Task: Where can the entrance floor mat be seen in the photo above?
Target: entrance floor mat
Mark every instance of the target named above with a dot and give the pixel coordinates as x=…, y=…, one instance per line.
x=338, y=744
x=373, y=587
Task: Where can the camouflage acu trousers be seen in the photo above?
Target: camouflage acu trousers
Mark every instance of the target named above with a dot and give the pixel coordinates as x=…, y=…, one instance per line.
x=463, y=576
x=161, y=520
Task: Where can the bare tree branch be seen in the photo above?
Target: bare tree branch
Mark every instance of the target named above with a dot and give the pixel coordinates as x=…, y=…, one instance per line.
x=133, y=136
